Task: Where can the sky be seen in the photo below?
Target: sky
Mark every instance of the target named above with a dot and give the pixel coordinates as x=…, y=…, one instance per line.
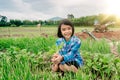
x=46, y=9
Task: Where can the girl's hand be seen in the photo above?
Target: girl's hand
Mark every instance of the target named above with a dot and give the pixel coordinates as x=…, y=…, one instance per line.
x=58, y=59
x=54, y=57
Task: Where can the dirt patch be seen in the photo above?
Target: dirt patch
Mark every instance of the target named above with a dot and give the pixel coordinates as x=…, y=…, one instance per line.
x=111, y=35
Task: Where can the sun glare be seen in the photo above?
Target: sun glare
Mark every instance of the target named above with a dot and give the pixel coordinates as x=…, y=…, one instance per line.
x=113, y=7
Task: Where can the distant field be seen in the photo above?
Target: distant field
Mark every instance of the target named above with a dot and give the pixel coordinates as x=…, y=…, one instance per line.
x=36, y=31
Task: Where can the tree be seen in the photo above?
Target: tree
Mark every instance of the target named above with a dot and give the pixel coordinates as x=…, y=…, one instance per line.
x=70, y=16
x=3, y=20
x=27, y=22
x=16, y=22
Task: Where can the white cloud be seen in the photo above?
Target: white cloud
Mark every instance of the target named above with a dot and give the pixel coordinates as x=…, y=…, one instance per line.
x=22, y=6
x=66, y=3
x=24, y=11
x=22, y=16
x=45, y=9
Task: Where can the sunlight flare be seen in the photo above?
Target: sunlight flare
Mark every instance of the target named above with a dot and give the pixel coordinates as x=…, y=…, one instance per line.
x=113, y=7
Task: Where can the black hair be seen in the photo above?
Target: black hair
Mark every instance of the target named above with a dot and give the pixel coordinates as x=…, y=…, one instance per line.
x=65, y=22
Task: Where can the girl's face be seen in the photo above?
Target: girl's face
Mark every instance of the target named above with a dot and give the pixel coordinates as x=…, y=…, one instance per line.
x=66, y=31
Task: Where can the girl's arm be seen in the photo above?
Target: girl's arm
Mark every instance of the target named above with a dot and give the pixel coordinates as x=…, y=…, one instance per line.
x=57, y=59
x=70, y=55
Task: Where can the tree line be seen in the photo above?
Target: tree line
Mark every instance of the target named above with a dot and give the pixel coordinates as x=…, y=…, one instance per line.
x=82, y=21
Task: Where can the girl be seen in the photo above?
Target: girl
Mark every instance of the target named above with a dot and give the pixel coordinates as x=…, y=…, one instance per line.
x=68, y=58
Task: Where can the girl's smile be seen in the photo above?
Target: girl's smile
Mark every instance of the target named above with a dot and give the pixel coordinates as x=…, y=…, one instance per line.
x=66, y=31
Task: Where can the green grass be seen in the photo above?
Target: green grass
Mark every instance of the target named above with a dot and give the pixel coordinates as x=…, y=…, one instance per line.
x=28, y=57
x=17, y=64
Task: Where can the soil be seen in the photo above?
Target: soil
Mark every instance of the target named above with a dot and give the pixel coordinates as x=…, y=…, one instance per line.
x=110, y=35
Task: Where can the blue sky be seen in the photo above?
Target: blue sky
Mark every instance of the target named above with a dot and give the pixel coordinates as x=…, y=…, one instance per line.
x=45, y=9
